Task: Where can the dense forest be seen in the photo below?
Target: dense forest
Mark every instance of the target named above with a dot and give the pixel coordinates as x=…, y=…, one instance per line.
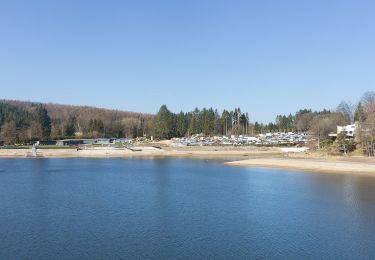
x=200, y=121
x=24, y=121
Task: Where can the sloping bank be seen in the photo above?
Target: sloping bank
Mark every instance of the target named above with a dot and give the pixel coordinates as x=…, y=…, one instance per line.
x=314, y=165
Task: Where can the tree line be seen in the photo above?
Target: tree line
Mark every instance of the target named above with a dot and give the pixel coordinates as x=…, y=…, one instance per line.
x=21, y=122
x=24, y=121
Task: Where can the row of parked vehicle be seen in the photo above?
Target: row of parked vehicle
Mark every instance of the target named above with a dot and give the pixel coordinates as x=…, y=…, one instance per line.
x=261, y=139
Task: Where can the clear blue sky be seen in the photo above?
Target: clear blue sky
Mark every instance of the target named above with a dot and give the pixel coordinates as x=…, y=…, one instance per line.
x=267, y=57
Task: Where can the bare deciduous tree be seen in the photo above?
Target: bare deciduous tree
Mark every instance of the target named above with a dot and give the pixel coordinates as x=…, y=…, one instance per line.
x=368, y=98
x=347, y=109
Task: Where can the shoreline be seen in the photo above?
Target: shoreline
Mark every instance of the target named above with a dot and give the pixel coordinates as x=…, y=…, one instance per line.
x=147, y=151
x=259, y=157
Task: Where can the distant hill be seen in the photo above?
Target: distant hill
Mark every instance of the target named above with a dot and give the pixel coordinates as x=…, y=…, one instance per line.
x=21, y=120
x=62, y=110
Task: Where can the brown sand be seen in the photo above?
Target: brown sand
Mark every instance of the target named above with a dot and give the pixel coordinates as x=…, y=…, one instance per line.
x=146, y=151
x=344, y=165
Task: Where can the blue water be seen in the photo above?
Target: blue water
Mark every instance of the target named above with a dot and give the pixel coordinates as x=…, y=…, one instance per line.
x=180, y=209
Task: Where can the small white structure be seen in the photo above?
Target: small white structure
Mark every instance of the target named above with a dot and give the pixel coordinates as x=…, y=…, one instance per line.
x=294, y=149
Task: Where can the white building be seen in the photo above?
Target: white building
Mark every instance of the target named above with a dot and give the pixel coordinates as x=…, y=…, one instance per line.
x=350, y=130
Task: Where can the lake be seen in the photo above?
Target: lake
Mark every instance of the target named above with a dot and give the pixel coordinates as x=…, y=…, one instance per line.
x=180, y=209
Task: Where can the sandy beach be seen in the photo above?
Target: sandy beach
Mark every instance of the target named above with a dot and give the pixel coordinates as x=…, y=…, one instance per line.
x=332, y=165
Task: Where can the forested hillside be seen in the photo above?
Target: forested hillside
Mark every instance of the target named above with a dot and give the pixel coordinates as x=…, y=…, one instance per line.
x=22, y=121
